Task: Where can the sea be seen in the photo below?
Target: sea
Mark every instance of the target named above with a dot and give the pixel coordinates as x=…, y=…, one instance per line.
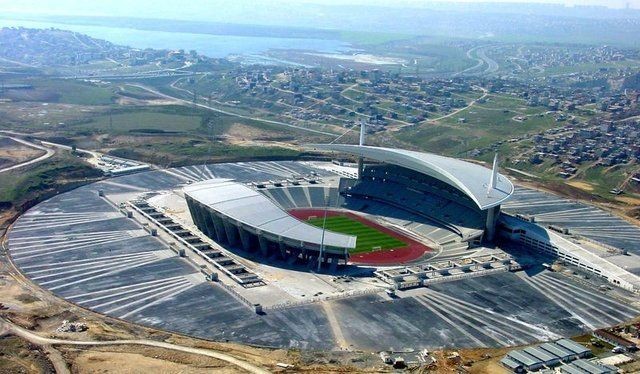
x=216, y=46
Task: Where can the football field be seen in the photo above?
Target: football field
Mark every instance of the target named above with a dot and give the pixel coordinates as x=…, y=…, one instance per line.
x=369, y=238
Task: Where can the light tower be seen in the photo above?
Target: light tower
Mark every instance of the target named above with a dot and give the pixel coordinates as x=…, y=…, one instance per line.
x=361, y=143
x=493, y=212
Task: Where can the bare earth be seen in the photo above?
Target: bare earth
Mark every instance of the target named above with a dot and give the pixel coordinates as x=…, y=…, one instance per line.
x=13, y=153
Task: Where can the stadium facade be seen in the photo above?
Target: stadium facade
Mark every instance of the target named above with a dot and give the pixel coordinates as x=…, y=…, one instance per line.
x=462, y=196
x=234, y=213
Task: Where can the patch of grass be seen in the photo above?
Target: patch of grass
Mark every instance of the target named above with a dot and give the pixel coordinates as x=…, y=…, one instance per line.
x=74, y=92
x=139, y=121
x=25, y=187
x=177, y=153
x=484, y=125
x=368, y=237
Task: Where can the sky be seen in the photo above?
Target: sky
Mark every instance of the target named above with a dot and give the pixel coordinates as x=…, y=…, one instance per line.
x=138, y=8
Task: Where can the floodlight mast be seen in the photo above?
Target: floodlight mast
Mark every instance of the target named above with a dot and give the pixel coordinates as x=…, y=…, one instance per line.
x=360, y=160
x=324, y=228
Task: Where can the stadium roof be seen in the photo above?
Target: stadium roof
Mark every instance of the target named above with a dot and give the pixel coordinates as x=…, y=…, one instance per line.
x=246, y=205
x=471, y=179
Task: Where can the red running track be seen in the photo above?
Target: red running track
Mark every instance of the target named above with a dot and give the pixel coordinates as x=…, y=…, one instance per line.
x=393, y=256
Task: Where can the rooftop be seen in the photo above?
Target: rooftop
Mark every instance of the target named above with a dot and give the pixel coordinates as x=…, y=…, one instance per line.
x=471, y=179
x=246, y=205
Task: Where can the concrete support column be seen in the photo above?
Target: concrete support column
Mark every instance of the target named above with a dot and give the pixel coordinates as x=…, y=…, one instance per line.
x=232, y=232
x=360, y=168
x=490, y=226
x=219, y=228
x=283, y=248
x=245, y=238
x=264, y=245
x=204, y=222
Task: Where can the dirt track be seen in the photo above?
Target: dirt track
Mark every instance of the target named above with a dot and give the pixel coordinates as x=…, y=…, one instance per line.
x=8, y=327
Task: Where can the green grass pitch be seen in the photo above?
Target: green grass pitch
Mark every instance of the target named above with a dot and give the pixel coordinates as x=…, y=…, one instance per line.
x=368, y=237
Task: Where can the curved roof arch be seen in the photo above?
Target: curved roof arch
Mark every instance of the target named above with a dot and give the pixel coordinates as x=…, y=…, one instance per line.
x=249, y=207
x=472, y=179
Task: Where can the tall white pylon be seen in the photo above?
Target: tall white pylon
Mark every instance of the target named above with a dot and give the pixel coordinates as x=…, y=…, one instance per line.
x=494, y=175
x=362, y=132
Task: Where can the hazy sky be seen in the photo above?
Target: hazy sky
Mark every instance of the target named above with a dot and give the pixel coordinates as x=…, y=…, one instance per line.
x=191, y=8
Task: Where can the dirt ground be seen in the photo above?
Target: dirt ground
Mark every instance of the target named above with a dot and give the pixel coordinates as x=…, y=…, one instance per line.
x=581, y=185
x=12, y=153
x=144, y=360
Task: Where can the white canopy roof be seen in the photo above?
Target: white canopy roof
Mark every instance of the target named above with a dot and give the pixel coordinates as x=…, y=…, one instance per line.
x=246, y=205
x=471, y=179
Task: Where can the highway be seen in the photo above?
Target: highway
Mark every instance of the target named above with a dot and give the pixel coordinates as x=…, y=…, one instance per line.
x=482, y=58
x=7, y=327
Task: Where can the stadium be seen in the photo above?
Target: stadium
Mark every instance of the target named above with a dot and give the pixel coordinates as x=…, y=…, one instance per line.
x=378, y=248
x=412, y=187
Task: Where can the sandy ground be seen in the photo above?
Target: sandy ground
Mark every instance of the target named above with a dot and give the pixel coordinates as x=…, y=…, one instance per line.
x=629, y=200
x=103, y=360
x=581, y=185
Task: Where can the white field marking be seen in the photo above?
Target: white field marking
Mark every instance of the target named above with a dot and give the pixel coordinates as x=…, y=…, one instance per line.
x=265, y=167
x=286, y=168
x=61, y=217
x=161, y=300
x=467, y=320
x=85, y=260
x=63, y=243
x=93, y=269
x=159, y=290
x=261, y=169
x=209, y=172
x=537, y=202
x=498, y=318
x=591, y=296
x=154, y=287
x=89, y=265
x=451, y=323
x=193, y=171
x=112, y=240
x=617, y=228
x=20, y=252
x=126, y=186
x=25, y=226
x=197, y=171
x=114, y=271
x=574, y=300
x=63, y=224
x=183, y=172
x=21, y=256
x=204, y=172
x=568, y=212
x=152, y=282
x=38, y=239
x=561, y=304
x=173, y=173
